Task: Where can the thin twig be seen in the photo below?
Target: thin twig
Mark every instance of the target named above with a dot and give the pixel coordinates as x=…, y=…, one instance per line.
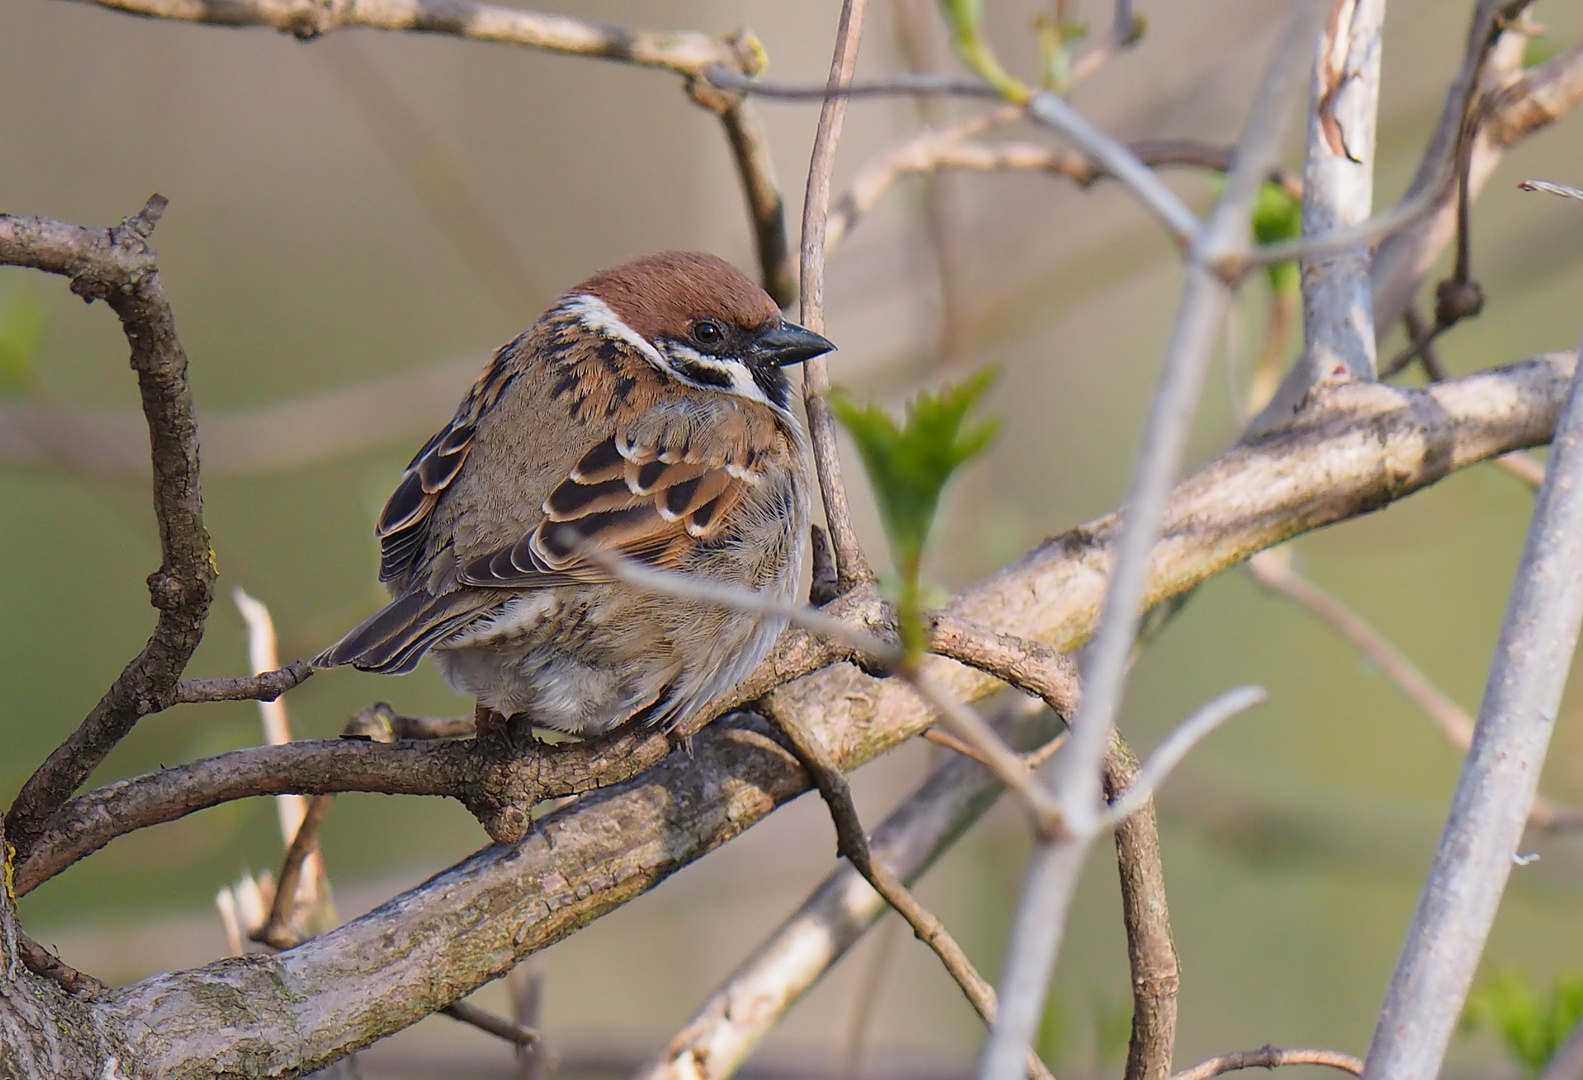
x=1499, y=778
x=1151, y=953
x=116, y=265
x=264, y=687
x=1273, y=571
x=1268, y=1057
x=851, y=566
x=684, y=52
x=278, y=931
x=747, y=1006
x=40, y=961
x=1055, y=113
x=1052, y=876
x=853, y=843
x=946, y=148
x=525, y=984
x=1169, y=754
x=496, y=1025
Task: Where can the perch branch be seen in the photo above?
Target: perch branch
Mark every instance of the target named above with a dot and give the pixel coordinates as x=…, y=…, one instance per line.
x=117, y=266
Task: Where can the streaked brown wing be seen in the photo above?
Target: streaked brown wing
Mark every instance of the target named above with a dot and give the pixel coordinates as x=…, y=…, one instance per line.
x=622, y=499
x=404, y=522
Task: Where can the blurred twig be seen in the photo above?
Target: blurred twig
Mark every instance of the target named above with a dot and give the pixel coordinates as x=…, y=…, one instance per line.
x=851, y=566
x=743, y=1010
x=1269, y=1057
x=1272, y=569
x=853, y=843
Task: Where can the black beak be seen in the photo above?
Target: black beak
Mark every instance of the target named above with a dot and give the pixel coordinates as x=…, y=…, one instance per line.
x=788, y=344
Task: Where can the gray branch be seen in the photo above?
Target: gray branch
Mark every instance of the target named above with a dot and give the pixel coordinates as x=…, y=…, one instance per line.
x=1500, y=776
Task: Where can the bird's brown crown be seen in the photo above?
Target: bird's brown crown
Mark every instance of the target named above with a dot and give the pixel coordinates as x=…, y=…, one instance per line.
x=661, y=295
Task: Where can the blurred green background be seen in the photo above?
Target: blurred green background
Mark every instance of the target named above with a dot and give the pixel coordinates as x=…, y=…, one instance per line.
x=372, y=205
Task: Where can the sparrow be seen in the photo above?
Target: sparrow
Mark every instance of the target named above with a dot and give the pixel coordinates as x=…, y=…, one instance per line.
x=646, y=415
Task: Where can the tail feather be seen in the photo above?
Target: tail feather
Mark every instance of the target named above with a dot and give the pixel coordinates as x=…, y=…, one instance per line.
x=395, y=638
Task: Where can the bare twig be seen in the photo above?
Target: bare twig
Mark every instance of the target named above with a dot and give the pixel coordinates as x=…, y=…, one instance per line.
x=40, y=961
x=263, y=687
x=683, y=52
x=1269, y=1057
x=1052, y=875
x=1169, y=754
x=1273, y=571
x=853, y=843
x=278, y=931
x=498, y=1026
x=117, y=266
x=291, y=809
x=1055, y=113
x=851, y=566
x=1499, y=777
x=1405, y=257
x=1338, y=191
x=1151, y=953
x=1524, y=467
x=526, y=987
x=946, y=148
x=747, y=1006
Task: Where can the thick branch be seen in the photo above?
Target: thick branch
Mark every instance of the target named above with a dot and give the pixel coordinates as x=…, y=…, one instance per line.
x=116, y=266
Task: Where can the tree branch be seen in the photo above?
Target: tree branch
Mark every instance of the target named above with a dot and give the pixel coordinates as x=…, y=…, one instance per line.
x=851, y=566
x=117, y=266
x=1151, y=953
x=1269, y=1057
x=1500, y=775
x=746, y=1007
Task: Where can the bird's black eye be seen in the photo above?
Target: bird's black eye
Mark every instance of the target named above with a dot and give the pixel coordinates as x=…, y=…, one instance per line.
x=708, y=332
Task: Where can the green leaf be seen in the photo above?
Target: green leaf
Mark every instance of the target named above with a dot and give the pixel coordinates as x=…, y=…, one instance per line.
x=1277, y=216
x=21, y=334
x=910, y=464
x=1536, y=50
x=1531, y=1026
